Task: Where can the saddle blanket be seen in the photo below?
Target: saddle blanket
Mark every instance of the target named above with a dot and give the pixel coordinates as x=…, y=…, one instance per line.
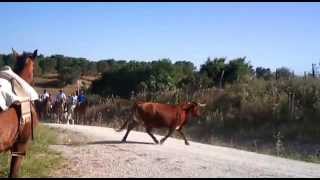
x=7, y=96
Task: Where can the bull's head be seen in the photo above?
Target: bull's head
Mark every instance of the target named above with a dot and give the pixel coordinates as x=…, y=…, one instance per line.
x=193, y=108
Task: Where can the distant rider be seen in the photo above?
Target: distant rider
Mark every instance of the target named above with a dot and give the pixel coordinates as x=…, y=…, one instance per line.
x=44, y=96
x=81, y=98
x=61, y=97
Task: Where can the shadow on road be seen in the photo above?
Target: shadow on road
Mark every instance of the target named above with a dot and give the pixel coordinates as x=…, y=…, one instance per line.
x=119, y=142
x=104, y=142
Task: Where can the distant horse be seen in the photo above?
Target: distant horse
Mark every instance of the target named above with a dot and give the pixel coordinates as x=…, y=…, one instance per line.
x=69, y=111
x=58, y=110
x=16, y=131
x=81, y=112
x=44, y=108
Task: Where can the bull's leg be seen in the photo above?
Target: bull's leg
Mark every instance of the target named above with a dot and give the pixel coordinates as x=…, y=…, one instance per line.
x=132, y=125
x=152, y=136
x=17, y=159
x=168, y=135
x=183, y=136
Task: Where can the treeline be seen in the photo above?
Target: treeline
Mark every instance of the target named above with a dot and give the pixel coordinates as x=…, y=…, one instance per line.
x=69, y=68
x=122, y=78
x=163, y=75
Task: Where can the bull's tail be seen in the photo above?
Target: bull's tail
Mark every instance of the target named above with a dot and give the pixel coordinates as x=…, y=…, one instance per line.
x=133, y=117
x=123, y=126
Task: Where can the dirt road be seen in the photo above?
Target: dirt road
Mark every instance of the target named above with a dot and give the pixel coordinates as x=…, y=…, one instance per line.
x=104, y=156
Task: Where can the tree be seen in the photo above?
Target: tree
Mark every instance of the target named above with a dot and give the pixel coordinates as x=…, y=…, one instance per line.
x=121, y=81
x=2, y=60
x=213, y=69
x=264, y=73
x=105, y=65
x=237, y=70
x=47, y=65
x=92, y=68
x=283, y=73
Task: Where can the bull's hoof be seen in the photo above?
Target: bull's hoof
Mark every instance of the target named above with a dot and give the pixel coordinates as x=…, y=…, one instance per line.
x=161, y=141
x=187, y=143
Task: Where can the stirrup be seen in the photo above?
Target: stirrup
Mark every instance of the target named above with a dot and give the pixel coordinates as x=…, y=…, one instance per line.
x=18, y=154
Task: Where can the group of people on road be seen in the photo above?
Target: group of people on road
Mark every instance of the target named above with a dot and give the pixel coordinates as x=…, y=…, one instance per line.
x=74, y=98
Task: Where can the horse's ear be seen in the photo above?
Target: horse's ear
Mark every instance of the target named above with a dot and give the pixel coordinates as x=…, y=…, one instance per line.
x=15, y=54
x=35, y=53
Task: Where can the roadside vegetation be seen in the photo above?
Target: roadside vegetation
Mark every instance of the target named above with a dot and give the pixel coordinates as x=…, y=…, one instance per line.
x=40, y=161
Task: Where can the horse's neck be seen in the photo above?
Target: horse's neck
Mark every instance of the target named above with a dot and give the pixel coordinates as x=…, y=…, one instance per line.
x=24, y=78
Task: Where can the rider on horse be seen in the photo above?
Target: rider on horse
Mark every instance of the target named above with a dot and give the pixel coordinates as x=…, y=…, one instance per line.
x=72, y=101
x=44, y=96
x=81, y=98
x=61, y=97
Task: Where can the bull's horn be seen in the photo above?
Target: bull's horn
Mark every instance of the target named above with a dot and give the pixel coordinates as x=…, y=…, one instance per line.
x=201, y=105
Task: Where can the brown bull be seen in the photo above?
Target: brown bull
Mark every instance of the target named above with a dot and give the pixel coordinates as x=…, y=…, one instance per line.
x=156, y=115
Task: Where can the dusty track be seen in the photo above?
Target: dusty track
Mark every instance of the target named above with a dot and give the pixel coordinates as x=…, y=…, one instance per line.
x=104, y=156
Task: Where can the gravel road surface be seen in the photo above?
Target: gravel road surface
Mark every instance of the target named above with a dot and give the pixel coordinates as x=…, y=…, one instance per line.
x=103, y=155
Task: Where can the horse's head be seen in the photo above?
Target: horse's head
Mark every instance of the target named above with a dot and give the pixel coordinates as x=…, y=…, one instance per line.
x=25, y=65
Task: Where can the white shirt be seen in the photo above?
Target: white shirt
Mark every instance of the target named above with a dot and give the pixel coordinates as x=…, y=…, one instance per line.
x=61, y=96
x=74, y=99
x=44, y=96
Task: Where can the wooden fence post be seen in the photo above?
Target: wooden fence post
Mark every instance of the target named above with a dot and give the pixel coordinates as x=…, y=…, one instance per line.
x=221, y=78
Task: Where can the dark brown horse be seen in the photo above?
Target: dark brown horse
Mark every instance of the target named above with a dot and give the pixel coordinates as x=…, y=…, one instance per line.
x=15, y=136
x=58, y=110
x=80, y=112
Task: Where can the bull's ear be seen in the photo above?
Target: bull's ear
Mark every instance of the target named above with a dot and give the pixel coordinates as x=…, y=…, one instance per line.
x=187, y=106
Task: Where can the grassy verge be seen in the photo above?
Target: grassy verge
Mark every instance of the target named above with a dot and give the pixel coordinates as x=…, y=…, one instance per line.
x=40, y=160
x=287, y=149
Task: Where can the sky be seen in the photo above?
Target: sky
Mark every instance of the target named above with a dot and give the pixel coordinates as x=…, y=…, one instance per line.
x=270, y=34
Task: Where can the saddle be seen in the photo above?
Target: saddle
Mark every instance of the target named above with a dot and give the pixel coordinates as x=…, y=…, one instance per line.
x=14, y=89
